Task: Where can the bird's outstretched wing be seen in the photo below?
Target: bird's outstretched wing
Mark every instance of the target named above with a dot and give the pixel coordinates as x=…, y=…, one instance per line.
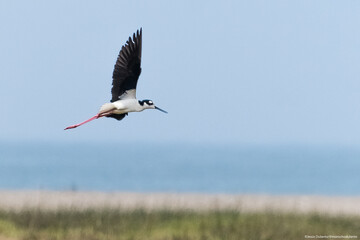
x=117, y=116
x=127, y=68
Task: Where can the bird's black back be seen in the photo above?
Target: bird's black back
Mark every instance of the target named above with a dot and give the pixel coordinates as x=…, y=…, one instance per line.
x=128, y=66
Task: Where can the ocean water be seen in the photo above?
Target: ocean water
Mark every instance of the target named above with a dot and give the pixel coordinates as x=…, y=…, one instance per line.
x=180, y=168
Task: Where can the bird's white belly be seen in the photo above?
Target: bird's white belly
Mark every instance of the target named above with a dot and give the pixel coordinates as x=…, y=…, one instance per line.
x=127, y=105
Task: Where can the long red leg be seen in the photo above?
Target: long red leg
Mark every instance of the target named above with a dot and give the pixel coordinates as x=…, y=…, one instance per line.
x=79, y=124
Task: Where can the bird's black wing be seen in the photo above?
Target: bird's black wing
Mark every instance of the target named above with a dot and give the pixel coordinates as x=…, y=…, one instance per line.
x=128, y=66
x=117, y=116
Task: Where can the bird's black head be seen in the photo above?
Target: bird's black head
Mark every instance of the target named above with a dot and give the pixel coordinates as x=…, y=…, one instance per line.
x=147, y=102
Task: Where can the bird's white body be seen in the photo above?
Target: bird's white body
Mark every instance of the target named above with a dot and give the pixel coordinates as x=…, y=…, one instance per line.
x=122, y=106
x=127, y=105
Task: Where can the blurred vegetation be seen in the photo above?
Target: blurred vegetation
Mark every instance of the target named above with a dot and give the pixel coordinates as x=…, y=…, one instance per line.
x=167, y=225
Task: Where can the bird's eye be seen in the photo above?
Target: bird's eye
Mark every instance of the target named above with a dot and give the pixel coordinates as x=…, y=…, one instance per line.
x=150, y=102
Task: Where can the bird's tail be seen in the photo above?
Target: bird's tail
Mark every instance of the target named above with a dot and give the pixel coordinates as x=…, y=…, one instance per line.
x=107, y=107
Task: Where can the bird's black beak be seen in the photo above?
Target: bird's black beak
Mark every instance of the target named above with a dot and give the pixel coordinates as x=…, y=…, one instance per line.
x=160, y=109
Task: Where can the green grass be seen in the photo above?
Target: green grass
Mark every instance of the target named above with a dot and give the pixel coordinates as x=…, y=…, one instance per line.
x=176, y=225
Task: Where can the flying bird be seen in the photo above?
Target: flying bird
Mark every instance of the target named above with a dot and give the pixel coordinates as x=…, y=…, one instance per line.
x=125, y=77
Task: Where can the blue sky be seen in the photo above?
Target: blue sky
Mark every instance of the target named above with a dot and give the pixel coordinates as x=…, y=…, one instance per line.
x=228, y=72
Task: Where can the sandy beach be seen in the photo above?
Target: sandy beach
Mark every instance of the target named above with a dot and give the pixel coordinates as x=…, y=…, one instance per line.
x=53, y=200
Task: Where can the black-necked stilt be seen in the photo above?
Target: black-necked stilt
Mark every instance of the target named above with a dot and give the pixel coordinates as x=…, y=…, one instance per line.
x=125, y=76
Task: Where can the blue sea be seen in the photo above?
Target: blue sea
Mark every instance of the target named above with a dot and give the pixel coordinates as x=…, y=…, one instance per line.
x=147, y=167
